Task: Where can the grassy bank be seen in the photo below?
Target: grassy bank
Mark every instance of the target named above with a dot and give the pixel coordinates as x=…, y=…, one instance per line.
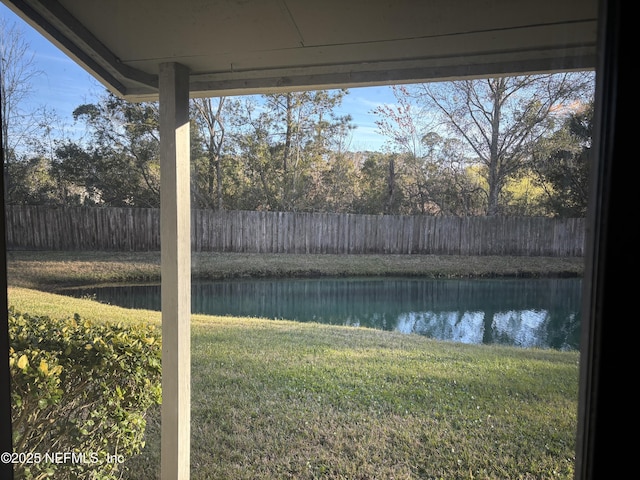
x=277, y=399
x=49, y=270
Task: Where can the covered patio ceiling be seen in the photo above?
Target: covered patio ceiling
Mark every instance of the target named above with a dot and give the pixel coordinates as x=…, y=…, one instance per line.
x=233, y=47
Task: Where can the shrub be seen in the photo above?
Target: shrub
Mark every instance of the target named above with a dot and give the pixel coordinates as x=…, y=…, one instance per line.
x=80, y=393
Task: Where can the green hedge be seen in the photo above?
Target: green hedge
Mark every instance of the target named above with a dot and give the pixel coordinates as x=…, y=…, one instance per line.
x=80, y=393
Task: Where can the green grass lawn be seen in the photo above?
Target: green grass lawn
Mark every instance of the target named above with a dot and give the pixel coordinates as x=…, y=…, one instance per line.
x=278, y=399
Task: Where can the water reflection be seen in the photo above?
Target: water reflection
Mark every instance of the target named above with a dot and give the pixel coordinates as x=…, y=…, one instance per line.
x=523, y=312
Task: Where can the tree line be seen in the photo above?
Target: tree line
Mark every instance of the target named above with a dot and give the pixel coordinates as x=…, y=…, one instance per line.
x=497, y=146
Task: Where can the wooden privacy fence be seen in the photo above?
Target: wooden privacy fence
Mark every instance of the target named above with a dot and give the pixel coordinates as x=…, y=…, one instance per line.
x=138, y=229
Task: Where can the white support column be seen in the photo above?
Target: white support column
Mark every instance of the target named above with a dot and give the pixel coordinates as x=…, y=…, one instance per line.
x=175, y=238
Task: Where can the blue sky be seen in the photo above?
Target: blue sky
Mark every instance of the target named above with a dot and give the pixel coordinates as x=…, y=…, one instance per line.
x=64, y=85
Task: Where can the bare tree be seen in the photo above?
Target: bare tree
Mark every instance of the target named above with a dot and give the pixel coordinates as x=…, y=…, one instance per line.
x=503, y=119
x=17, y=72
x=431, y=169
x=210, y=120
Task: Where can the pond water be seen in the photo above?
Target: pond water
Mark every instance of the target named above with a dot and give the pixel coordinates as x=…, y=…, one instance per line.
x=541, y=312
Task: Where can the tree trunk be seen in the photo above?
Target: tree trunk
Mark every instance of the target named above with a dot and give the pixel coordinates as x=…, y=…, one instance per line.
x=495, y=173
x=391, y=186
